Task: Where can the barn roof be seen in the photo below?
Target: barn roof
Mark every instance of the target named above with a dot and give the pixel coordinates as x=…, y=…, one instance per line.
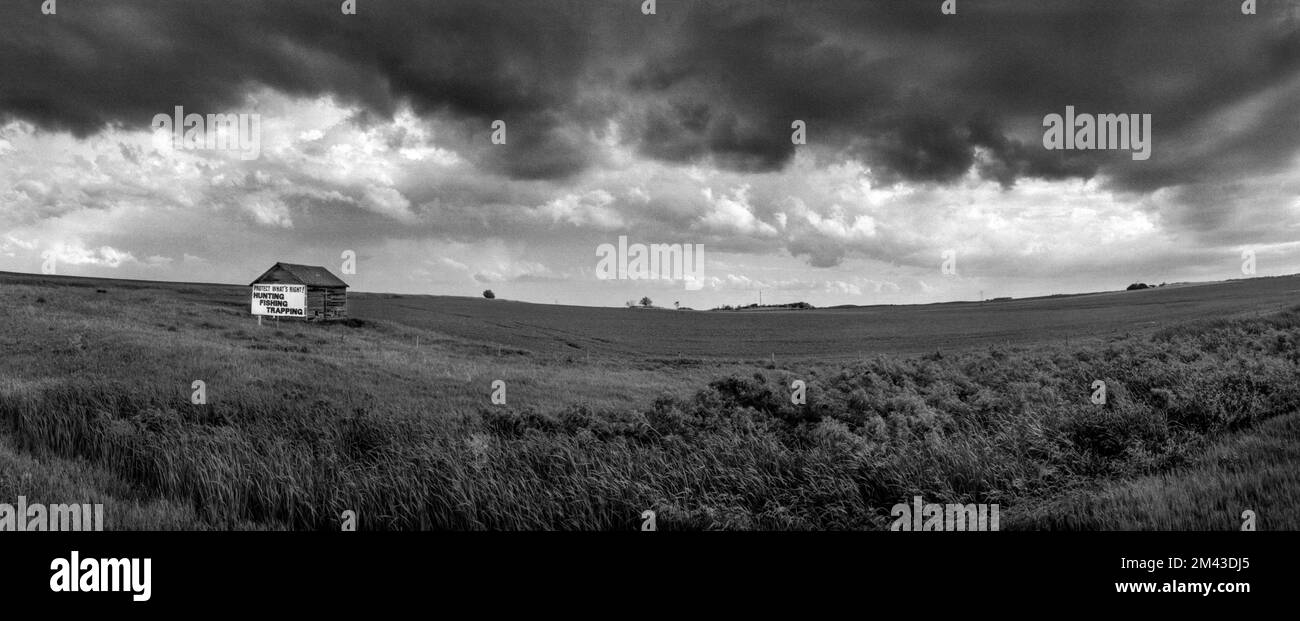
x=310, y=275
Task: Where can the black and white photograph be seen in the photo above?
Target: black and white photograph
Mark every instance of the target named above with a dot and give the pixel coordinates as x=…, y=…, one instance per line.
x=864, y=267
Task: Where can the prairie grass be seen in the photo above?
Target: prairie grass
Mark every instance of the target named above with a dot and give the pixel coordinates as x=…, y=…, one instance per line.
x=53, y=480
x=1257, y=469
x=304, y=421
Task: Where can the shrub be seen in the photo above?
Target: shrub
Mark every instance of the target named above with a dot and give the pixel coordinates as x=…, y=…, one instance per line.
x=1012, y=426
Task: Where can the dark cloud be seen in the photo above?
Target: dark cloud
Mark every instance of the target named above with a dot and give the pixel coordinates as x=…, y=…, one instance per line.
x=95, y=64
x=911, y=92
x=914, y=92
x=686, y=131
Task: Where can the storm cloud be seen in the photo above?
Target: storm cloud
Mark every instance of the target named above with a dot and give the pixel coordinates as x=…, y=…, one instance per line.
x=910, y=90
x=677, y=123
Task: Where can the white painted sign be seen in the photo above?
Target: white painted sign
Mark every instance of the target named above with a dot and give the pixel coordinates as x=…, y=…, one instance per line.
x=280, y=300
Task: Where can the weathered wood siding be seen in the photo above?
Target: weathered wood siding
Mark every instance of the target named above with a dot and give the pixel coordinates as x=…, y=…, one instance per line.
x=327, y=303
x=327, y=295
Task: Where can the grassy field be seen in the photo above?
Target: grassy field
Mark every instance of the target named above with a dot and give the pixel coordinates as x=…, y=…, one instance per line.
x=614, y=411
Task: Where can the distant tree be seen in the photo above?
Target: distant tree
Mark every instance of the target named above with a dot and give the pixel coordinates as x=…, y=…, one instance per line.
x=488, y=294
x=645, y=301
x=1137, y=285
x=630, y=303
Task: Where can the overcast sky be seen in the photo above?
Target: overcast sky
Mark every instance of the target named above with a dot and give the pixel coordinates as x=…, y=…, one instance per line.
x=924, y=135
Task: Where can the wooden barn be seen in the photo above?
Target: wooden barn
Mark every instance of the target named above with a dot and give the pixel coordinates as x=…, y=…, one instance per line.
x=326, y=297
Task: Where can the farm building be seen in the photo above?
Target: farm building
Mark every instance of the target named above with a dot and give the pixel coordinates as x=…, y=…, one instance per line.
x=300, y=291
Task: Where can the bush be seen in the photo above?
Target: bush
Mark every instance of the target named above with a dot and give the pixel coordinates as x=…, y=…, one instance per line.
x=1011, y=426
x=488, y=294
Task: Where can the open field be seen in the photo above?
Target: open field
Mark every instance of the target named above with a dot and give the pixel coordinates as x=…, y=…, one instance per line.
x=823, y=334
x=829, y=334
x=614, y=411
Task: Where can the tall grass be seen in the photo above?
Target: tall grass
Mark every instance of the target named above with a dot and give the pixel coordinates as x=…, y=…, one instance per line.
x=1011, y=427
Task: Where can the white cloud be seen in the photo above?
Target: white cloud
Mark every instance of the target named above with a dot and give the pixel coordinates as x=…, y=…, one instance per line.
x=75, y=252
x=389, y=202
x=267, y=209
x=594, y=208
x=733, y=213
x=112, y=192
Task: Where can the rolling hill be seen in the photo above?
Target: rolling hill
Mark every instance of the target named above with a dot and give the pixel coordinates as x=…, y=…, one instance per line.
x=604, y=413
x=840, y=333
